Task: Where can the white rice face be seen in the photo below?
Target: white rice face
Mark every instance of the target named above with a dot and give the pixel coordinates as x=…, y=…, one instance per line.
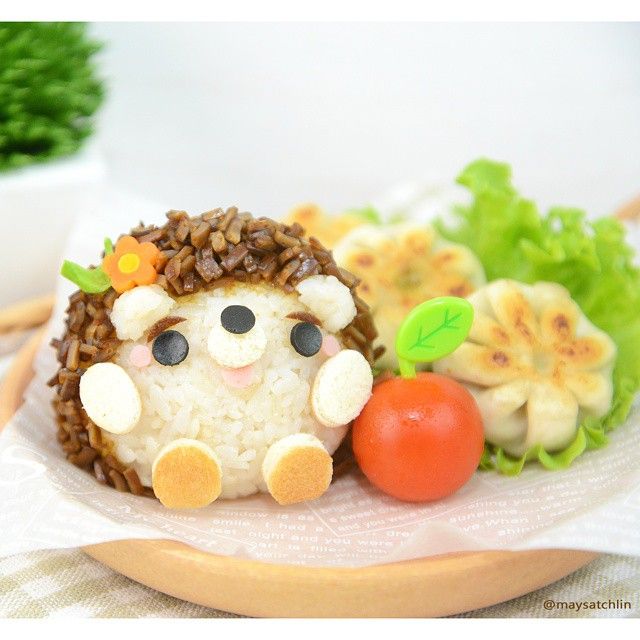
x=191, y=399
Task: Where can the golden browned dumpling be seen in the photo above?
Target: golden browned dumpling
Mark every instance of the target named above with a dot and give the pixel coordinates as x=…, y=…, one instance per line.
x=402, y=265
x=328, y=229
x=535, y=364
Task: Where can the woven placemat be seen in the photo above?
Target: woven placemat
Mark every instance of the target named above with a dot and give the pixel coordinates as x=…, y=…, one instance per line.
x=68, y=583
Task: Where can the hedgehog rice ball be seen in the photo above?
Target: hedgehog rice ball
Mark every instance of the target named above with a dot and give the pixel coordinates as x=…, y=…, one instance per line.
x=213, y=357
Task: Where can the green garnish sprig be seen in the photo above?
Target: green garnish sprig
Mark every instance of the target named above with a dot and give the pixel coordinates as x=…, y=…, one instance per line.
x=93, y=280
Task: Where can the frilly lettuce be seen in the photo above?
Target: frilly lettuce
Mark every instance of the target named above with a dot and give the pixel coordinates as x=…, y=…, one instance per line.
x=591, y=259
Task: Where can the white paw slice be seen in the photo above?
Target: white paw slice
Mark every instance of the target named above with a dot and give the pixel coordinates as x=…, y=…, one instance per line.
x=110, y=397
x=341, y=388
x=535, y=364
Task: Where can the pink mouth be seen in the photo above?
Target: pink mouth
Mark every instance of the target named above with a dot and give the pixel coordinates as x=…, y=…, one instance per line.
x=238, y=378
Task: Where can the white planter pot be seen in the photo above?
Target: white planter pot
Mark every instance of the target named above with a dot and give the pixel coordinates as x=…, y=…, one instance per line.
x=38, y=206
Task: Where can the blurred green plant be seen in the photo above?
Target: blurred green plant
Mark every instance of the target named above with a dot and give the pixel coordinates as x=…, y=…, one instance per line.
x=49, y=90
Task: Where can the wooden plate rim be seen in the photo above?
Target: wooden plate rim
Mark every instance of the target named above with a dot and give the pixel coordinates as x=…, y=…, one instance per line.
x=257, y=588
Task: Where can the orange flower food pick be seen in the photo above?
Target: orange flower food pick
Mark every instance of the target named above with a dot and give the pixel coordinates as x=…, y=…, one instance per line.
x=131, y=264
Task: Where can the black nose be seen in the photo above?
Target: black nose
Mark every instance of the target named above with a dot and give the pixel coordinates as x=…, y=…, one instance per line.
x=237, y=319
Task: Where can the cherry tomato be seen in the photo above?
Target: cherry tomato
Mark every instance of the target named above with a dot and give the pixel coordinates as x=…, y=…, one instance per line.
x=419, y=439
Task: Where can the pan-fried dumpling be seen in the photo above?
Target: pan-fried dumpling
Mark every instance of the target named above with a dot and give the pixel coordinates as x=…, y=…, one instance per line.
x=535, y=364
x=326, y=228
x=402, y=265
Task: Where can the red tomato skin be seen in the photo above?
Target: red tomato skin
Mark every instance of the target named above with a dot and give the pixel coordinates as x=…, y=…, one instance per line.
x=419, y=439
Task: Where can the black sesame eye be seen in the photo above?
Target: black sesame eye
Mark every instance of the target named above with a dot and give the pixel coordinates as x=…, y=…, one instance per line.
x=170, y=348
x=306, y=339
x=237, y=319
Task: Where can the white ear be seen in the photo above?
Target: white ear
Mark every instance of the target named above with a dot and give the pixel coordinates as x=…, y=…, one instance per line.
x=329, y=300
x=136, y=310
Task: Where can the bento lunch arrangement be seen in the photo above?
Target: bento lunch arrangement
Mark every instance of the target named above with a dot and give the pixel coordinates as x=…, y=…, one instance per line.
x=223, y=355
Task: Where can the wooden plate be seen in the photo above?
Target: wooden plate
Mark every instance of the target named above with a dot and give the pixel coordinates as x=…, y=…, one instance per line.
x=435, y=586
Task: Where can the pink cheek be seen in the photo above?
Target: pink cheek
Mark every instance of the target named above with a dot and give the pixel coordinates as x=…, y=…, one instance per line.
x=237, y=378
x=330, y=346
x=140, y=356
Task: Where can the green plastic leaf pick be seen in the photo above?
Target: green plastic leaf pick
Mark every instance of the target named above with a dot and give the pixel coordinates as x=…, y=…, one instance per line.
x=431, y=331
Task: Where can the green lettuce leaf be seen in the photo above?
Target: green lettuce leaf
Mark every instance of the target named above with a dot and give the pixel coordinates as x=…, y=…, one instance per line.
x=591, y=259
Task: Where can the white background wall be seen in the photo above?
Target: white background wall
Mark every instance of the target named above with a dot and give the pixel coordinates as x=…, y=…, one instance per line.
x=265, y=115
